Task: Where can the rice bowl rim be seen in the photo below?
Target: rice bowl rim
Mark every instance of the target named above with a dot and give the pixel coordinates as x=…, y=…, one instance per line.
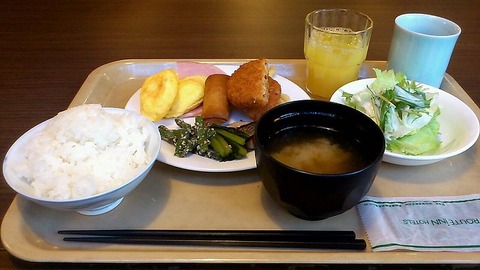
x=154, y=138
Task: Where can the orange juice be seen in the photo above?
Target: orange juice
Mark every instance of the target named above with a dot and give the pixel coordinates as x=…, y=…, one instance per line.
x=334, y=56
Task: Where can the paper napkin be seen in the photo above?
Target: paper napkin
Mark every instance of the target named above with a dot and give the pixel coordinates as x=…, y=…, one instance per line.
x=422, y=223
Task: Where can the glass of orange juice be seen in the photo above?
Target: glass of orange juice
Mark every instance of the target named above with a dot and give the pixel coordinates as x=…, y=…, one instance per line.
x=336, y=44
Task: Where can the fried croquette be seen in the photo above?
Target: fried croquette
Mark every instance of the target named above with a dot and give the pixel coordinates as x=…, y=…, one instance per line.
x=158, y=93
x=274, y=95
x=247, y=87
x=189, y=96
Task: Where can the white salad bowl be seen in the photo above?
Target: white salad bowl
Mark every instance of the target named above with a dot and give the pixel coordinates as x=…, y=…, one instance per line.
x=459, y=126
x=92, y=205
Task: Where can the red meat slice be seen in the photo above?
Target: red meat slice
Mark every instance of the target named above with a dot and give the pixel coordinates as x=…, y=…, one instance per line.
x=185, y=69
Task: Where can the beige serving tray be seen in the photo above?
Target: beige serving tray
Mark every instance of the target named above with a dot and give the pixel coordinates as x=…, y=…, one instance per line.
x=172, y=198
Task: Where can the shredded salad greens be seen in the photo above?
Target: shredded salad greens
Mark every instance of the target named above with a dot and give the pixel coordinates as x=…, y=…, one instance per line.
x=406, y=113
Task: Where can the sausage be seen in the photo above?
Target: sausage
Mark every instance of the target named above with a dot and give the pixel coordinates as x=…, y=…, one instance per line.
x=215, y=102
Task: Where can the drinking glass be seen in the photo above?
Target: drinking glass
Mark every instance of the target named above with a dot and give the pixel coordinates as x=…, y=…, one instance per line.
x=335, y=45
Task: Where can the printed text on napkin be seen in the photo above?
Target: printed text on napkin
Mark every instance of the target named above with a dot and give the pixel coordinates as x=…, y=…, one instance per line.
x=423, y=224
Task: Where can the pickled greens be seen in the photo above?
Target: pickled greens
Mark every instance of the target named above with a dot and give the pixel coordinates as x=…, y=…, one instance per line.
x=405, y=112
x=211, y=141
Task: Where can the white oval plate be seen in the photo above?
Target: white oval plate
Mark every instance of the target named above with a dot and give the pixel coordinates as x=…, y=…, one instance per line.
x=459, y=126
x=198, y=163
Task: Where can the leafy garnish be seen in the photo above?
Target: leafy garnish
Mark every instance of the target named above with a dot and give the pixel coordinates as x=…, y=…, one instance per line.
x=405, y=112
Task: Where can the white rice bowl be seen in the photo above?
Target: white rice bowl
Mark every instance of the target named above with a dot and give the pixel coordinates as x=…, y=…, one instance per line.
x=83, y=158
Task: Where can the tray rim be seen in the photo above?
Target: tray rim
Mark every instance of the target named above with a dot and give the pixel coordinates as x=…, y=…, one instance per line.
x=390, y=257
x=225, y=255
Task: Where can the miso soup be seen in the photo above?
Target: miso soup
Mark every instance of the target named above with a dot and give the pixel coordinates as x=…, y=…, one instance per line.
x=317, y=150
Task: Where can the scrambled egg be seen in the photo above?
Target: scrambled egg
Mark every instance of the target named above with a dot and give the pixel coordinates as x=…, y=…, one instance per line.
x=164, y=95
x=189, y=96
x=158, y=93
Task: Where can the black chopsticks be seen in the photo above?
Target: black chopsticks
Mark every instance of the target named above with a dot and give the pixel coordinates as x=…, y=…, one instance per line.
x=307, y=239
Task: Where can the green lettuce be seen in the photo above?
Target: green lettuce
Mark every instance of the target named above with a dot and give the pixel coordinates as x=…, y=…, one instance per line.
x=405, y=112
x=424, y=141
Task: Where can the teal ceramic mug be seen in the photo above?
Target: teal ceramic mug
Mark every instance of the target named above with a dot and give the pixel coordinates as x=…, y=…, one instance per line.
x=421, y=47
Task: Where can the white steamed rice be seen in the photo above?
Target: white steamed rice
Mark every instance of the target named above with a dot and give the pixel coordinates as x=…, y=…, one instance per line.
x=84, y=151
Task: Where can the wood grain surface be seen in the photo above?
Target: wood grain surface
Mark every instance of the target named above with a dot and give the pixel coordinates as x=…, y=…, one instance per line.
x=48, y=48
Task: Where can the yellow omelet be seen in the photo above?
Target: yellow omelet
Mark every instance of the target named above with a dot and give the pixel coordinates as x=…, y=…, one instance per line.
x=158, y=93
x=189, y=95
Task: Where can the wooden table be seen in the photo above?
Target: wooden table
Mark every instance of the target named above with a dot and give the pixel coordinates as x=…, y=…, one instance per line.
x=48, y=48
